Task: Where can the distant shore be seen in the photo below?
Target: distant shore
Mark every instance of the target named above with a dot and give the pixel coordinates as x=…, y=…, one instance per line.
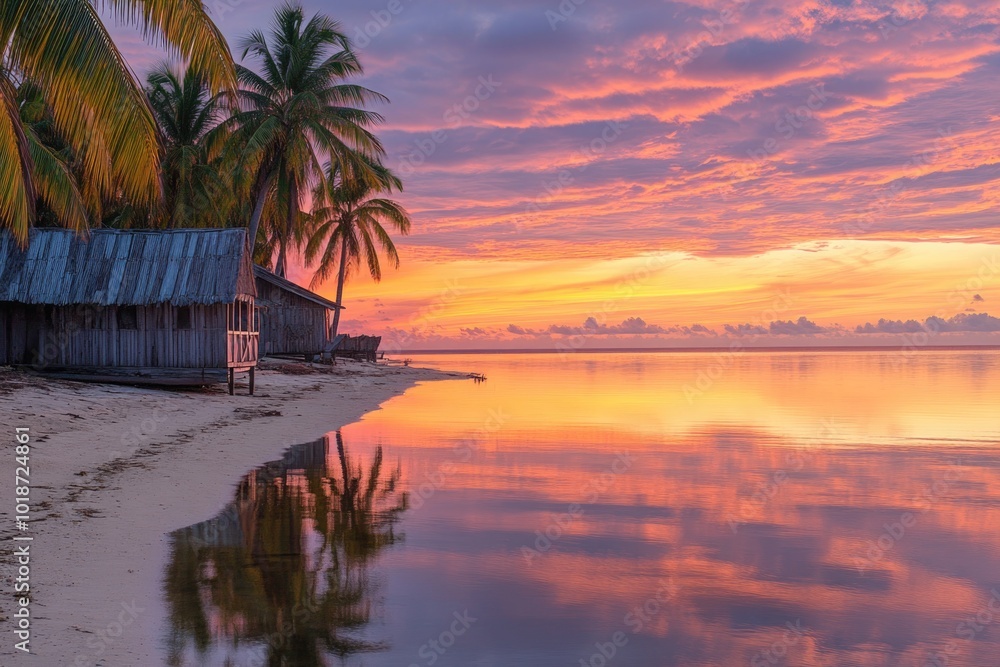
x=114, y=469
x=721, y=348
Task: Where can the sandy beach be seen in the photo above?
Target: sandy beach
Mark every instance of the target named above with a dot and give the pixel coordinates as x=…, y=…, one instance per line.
x=116, y=468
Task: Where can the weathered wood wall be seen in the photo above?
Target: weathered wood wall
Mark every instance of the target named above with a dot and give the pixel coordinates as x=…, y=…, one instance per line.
x=357, y=347
x=90, y=336
x=290, y=324
x=13, y=333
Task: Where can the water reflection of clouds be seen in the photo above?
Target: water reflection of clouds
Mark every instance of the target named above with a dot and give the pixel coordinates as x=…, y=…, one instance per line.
x=785, y=585
x=794, y=562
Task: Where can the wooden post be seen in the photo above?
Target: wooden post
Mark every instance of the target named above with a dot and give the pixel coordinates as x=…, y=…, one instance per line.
x=232, y=381
x=251, y=380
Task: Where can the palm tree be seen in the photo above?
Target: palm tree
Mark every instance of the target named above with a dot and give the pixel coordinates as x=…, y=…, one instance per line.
x=297, y=108
x=349, y=222
x=96, y=104
x=286, y=571
x=195, y=192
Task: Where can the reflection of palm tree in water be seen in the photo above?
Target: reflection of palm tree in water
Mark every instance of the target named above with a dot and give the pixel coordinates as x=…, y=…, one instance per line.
x=282, y=577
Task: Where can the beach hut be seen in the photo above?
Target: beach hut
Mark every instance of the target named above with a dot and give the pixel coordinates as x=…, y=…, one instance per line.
x=160, y=307
x=362, y=348
x=293, y=320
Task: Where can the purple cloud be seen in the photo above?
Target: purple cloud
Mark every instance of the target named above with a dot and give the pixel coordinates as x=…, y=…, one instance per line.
x=745, y=330
x=963, y=322
x=475, y=332
x=801, y=327
x=697, y=93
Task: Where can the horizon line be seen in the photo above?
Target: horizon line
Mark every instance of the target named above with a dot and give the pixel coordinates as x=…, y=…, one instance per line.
x=800, y=348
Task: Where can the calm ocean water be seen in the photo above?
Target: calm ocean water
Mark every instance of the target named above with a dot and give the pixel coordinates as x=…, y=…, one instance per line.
x=648, y=509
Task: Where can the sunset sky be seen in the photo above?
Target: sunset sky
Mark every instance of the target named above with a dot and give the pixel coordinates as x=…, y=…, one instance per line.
x=638, y=173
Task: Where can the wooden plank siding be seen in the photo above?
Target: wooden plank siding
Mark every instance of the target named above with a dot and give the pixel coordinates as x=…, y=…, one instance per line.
x=289, y=323
x=128, y=300
x=64, y=337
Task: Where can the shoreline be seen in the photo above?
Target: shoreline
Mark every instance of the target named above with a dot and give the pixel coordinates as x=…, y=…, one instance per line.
x=116, y=468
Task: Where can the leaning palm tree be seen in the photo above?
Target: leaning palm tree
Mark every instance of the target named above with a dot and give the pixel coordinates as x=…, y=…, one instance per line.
x=97, y=106
x=297, y=108
x=196, y=194
x=349, y=222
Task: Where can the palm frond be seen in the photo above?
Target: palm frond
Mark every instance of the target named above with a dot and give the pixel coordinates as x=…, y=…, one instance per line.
x=92, y=93
x=184, y=28
x=56, y=185
x=17, y=195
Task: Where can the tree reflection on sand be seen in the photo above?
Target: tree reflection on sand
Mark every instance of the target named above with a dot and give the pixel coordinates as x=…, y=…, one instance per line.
x=283, y=575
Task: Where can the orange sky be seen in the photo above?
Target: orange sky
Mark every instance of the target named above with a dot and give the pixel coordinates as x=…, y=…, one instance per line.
x=837, y=285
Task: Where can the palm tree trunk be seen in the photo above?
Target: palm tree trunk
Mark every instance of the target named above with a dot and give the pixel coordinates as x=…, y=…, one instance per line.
x=258, y=209
x=347, y=496
x=341, y=277
x=293, y=206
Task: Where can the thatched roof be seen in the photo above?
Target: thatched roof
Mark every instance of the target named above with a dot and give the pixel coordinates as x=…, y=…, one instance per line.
x=278, y=281
x=127, y=268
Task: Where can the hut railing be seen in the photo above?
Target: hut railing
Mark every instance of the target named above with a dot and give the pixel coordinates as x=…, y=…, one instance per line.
x=243, y=347
x=242, y=335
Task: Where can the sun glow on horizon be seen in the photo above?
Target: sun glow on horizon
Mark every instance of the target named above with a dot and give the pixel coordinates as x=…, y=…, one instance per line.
x=844, y=283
